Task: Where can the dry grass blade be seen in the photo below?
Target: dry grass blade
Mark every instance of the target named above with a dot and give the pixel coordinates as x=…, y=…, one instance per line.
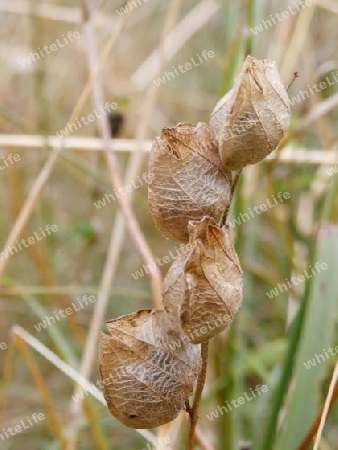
x=30, y=204
x=42, y=388
x=58, y=363
x=314, y=428
x=80, y=143
x=290, y=155
x=326, y=407
x=48, y=290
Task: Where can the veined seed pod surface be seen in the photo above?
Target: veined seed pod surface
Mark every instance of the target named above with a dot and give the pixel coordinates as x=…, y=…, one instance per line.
x=203, y=288
x=253, y=117
x=189, y=181
x=147, y=370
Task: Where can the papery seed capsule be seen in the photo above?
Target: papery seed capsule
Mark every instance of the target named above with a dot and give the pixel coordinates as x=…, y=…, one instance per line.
x=252, y=118
x=148, y=371
x=189, y=181
x=203, y=288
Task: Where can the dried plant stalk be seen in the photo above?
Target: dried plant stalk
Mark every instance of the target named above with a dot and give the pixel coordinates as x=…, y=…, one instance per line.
x=202, y=290
x=150, y=362
x=147, y=381
x=188, y=179
x=253, y=117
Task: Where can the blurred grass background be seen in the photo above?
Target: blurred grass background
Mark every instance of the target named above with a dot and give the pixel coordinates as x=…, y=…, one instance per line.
x=270, y=338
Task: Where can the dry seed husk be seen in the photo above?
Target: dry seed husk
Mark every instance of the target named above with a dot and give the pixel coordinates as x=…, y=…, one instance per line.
x=148, y=371
x=189, y=181
x=203, y=288
x=252, y=118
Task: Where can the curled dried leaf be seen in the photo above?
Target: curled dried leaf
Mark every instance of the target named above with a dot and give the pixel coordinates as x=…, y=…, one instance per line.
x=189, y=181
x=253, y=117
x=147, y=378
x=203, y=288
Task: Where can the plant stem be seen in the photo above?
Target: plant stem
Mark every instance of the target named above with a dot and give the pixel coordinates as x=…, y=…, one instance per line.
x=295, y=331
x=193, y=412
x=305, y=444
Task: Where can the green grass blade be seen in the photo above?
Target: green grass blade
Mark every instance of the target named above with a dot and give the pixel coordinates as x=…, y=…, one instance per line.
x=316, y=339
x=277, y=402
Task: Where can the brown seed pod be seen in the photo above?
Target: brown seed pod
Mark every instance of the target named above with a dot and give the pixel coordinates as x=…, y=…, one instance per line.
x=203, y=288
x=147, y=378
x=252, y=118
x=189, y=181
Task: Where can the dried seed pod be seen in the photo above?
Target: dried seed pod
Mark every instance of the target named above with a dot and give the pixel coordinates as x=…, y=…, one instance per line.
x=148, y=374
x=252, y=118
x=203, y=288
x=189, y=181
